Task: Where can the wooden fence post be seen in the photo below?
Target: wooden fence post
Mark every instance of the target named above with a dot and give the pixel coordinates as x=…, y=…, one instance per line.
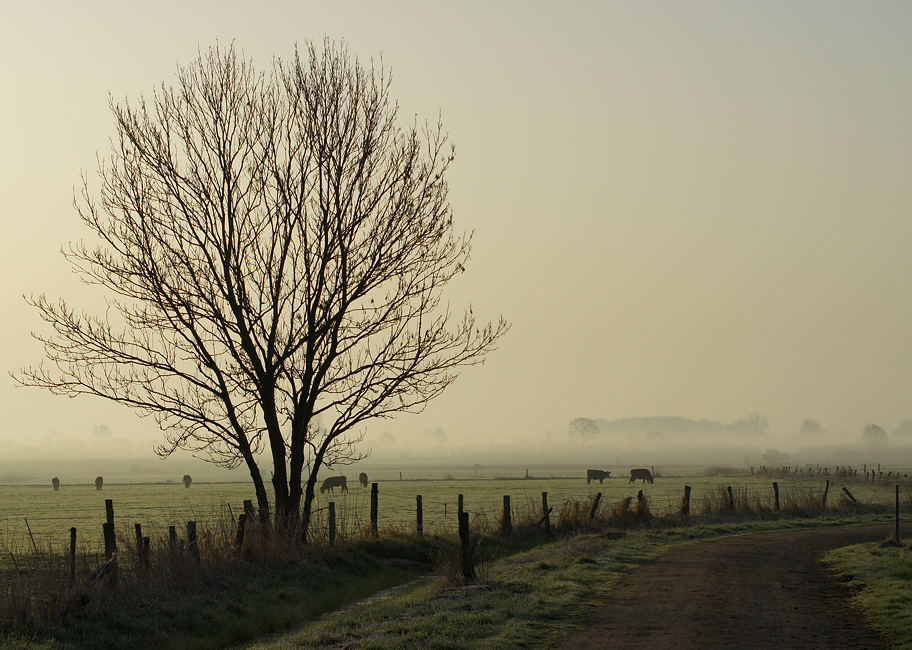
x=506, y=521
x=172, y=539
x=419, y=516
x=242, y=524
x=849, y=494
x=775, y=496
x=248, y=509
x=375, y=491
x=459, y=498
x=140, y=560
x=468, y=566
x=332, y=523
x=72, y=556
x=110, y=542
x=546, y=513
x=731, y=498
x=191, y=540
x=685, y=501
x=595, y=505
x=826, y=489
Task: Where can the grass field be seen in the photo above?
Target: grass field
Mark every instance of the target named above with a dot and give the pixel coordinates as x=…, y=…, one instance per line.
x=37, y=512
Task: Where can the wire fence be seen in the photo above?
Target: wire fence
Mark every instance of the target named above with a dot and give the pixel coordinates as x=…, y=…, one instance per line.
x=37, y=515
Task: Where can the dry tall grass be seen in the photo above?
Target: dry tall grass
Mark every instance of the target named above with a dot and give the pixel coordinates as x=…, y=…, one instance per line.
x=744, y=502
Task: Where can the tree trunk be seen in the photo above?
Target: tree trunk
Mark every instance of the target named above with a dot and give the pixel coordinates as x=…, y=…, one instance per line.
x=296, y=465
x=260, y=489
x=258, y=485
x=279, y=471
x=308, y=505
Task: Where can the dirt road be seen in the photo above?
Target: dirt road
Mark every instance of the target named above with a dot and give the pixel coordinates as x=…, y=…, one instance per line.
x=766, y=590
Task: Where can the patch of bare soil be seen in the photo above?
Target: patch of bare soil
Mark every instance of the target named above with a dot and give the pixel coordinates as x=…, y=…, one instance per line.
x=764, y=590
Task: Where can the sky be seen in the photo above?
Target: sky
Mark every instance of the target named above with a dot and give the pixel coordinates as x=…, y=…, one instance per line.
x=686, y=209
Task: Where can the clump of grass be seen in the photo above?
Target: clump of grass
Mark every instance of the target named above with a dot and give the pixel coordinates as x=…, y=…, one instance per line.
x=628, y=512
x=527, y=519
x=804, y=500
x=450, y=567
x=720, y=502
x=574, y=516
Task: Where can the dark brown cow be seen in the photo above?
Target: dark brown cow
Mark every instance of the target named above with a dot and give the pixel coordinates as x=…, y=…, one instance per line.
x=334, y=482
x=187, y=480
x=56, y=483
x=593, y=474
x=99, y=482
x=643, y=474
x=362, y=479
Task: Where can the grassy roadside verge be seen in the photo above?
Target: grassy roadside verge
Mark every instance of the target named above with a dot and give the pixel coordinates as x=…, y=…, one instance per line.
x=881, y=577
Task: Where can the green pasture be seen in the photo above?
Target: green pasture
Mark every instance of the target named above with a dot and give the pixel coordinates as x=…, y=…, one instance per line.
x=483, y=497
x=33, y=512
x=37, y=512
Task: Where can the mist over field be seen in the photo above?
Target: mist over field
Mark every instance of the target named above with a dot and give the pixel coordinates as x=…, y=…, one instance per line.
x=668, y=442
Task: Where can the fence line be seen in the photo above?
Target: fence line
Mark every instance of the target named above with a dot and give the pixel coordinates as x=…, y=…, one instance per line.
x=422, y=512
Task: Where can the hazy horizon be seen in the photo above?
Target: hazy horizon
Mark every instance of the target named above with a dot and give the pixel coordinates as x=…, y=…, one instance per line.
x=696, y=210
x=619, y=446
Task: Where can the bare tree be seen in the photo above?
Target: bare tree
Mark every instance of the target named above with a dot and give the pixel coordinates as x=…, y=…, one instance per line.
x=276, y=247
x=583, y=428
x=438, y=435
x=756, y=422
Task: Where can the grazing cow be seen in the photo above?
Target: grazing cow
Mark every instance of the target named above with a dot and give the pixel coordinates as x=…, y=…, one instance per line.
x=334, y=482
x=362, y=479
x=56, y=483
x=643, y=474
x=98, y=483
x=593, y=474
x=187, y=480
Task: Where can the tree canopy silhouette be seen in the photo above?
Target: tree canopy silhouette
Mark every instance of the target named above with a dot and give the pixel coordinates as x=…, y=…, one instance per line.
x=273, y=247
